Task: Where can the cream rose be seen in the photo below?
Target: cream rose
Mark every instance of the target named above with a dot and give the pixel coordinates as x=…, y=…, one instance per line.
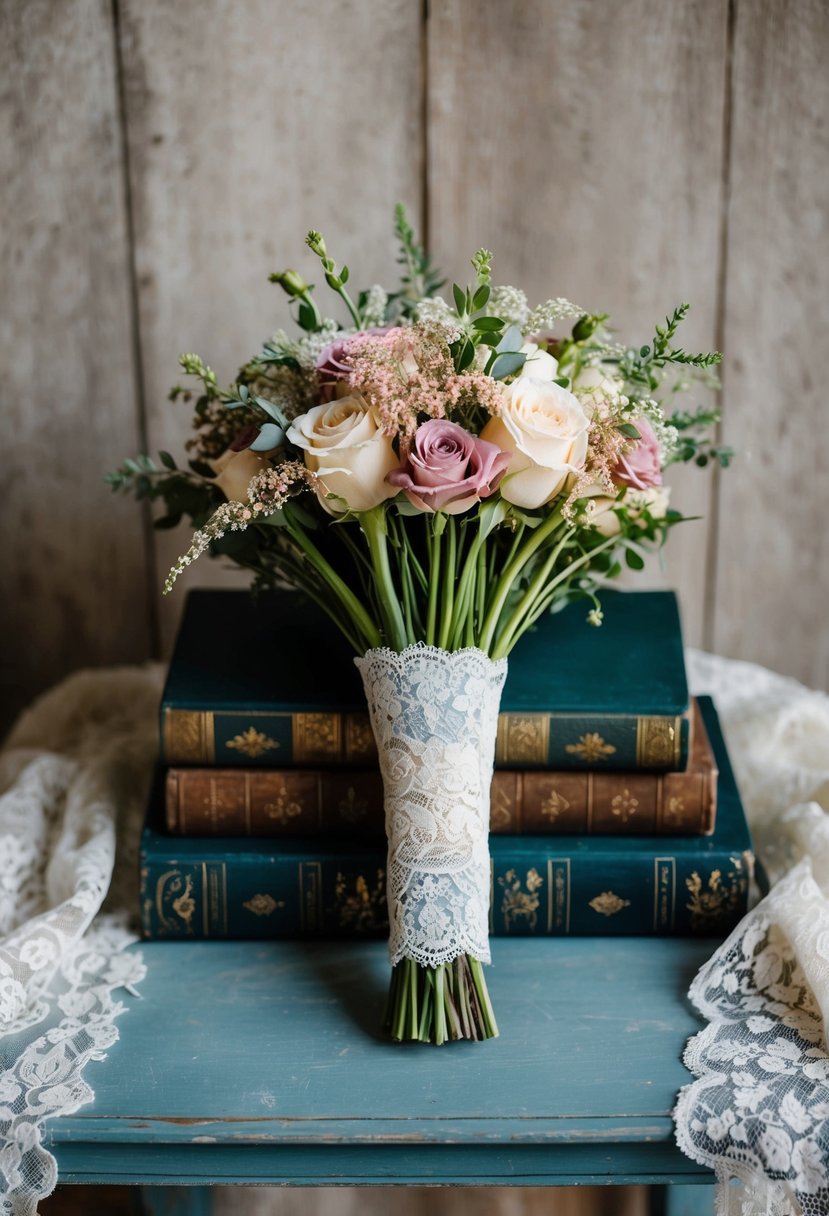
x=601, y=514
x=235, y=470
x=544, y=429
x=344, y=445
x=539, y=364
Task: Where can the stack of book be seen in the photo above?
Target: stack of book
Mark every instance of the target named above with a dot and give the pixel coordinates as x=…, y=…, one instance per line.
x=614, y=808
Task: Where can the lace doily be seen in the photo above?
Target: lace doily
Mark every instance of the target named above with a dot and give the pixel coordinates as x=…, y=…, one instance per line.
x=435, y=717
x=759, y=1111
x=73, y=776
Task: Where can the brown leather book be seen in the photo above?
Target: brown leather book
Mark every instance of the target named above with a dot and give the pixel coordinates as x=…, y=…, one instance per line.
x=349, y=802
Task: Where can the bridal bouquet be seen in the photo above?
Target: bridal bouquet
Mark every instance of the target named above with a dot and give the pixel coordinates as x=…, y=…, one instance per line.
x=435, y=474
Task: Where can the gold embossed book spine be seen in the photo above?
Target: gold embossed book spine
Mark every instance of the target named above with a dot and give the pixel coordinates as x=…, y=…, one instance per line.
x=348, y=802
x=264, y=739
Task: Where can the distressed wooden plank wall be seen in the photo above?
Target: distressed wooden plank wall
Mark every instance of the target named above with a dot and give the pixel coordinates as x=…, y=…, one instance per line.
x=771, y=582
x=263, y=123
x=74, y=584
x=583, y=143
x=159, y=159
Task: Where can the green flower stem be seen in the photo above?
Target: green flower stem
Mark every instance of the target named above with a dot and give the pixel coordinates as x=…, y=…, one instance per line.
x=480, y=606
x=448, y=579
x=440, y=1007
x=424, y=1029
x=490, y=1025
x=414, y=1024
x=516, y=628
x=409, y=568
x=433, y=541
x=350, y=305
x=439, y=1004
x=511, y=572
x=464, y=612
x=529, y=597
x=352, y=606
x=373, y=524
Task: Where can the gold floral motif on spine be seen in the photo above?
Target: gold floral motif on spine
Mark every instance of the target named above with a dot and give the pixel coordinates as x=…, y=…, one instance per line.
x=500, y=809
x=520, y=901
x=590, y=748
x=174, y=903
x=317, y=737
x=624, y=806
x=359, y=738
x=523, y=739
x=351, y=808
x=554, y=805
x=658, y=742
x=188, y=736
x=263, y=905
x=283, y=808
x=252, y=743
x=720, y=896
x=608, y=903
x=359, y=906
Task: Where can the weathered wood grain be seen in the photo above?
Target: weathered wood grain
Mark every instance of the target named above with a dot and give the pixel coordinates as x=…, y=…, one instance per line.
x=425, y=1201
x=582, y=142
x=249, y=124
x=73, y=559
x=772, y=574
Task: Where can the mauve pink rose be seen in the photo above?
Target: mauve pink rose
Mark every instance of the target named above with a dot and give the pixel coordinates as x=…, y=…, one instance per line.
x=332, y=364
x=640, y=468
x=448, y=469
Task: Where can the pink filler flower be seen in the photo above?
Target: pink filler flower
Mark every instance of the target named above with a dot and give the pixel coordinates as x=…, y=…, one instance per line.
x=333, y=367
x=640, y=468
x=447, y=469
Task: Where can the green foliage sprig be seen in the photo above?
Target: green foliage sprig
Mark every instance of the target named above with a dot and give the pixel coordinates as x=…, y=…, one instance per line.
x=419, y=279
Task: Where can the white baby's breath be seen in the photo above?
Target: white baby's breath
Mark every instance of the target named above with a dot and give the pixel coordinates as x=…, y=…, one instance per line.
x=545, y=315
x=510, y=304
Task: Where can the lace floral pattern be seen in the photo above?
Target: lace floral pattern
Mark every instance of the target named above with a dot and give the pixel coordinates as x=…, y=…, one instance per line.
x=435, y=717
x=759, y=1110
x=73, y=778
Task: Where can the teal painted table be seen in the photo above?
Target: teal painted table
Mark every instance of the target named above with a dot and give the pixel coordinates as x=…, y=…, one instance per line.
x=262, y=1063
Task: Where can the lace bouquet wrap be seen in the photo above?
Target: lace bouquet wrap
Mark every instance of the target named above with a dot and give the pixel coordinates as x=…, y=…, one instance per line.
x=434, y=476
x=435, y=717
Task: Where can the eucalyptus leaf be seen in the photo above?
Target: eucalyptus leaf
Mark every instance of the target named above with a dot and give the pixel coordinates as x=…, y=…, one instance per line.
x=507, y=364
x=513, y=339
x=270, y=436
x=273, y=411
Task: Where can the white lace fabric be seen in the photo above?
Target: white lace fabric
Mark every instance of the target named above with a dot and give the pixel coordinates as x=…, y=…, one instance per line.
x=73, y=779
x=435, y=718
x=759, y=1109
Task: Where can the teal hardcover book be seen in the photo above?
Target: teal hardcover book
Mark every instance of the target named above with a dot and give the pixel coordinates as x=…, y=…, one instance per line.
x=541, y=885
x=271, y=683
